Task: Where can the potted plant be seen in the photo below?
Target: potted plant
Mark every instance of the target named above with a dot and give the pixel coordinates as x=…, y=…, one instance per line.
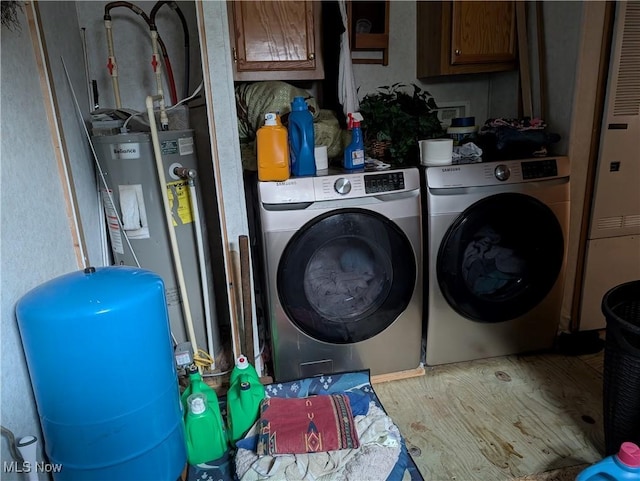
x=395, y=120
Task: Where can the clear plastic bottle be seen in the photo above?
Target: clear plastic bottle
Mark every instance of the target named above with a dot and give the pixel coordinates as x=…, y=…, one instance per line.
x=273, y=150
x=354, y=153
x=624, y=466
x=243, y=399
x=301, y=139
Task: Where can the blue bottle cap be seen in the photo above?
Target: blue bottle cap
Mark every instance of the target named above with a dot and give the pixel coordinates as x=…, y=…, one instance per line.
x=299, y=104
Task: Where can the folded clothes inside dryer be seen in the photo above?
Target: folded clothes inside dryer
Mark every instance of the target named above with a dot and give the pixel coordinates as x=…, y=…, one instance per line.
x=488, y=266
x=342, y=281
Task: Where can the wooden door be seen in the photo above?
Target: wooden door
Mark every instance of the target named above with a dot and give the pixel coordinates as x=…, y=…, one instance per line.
x=482, y=32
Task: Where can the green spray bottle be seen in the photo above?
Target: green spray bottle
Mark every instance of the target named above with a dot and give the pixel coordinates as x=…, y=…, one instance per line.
x=204, y=428
x=243, y=399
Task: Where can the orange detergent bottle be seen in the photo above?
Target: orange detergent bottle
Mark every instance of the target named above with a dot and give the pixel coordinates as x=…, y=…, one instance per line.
x=273, y=150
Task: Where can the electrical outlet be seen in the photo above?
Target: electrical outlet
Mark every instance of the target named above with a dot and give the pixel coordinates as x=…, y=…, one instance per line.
x=451, y=110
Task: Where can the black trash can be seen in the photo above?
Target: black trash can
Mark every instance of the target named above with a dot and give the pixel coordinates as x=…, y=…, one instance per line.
x=621, y=308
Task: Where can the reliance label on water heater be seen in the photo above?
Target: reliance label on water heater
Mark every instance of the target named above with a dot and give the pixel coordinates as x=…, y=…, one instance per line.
x=125, y=151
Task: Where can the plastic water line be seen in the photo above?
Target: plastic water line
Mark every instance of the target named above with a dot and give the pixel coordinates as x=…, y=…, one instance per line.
x=157, y=68
x=186, y=308
x=112, y=65
x=28, y=448
x=203, y=270
x=190, y=175
x=185, y=31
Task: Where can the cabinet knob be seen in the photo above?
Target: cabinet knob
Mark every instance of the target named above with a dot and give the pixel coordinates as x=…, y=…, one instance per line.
x=235, y=55
x=312, y=56
x=458, y=51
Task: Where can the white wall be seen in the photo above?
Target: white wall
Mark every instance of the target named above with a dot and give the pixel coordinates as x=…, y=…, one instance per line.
x=489, y=95
x=402, y=67
x=133, y=50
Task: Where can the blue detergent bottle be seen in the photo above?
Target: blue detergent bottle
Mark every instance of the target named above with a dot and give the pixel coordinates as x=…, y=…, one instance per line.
x=301, y=139
x=624, y=466
x=354, y=153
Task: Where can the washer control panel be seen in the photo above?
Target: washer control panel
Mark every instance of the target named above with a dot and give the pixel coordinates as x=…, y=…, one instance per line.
x=340, y=186
x=386, y=182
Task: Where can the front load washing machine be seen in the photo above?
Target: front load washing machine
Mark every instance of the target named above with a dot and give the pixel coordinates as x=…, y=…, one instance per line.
x=343, y=262
x=496, y=252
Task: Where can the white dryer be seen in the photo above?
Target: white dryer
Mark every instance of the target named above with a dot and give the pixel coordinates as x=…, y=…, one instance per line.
x=496, y=253
x=343, y=264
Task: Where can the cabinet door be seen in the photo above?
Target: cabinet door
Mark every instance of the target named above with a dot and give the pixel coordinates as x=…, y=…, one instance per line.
x=276, y=40
x=463, y=37
x=482, y=32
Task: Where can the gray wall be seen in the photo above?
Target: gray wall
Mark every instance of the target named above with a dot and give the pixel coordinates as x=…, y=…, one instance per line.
x=36, y=240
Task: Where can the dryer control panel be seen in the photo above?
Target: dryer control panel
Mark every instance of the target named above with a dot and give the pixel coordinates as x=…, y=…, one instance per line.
x=498, y=172
x=538, y=169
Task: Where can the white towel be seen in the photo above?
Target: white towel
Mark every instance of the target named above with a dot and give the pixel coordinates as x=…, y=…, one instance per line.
x=347, y=91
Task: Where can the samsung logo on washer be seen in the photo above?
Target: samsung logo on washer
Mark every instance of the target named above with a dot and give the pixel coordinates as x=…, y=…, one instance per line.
x=450, y=169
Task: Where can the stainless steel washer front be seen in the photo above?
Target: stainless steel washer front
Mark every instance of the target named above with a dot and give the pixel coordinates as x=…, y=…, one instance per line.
x=343, y=267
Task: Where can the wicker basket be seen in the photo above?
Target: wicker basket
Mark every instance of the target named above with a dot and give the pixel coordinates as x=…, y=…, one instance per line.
x=378, y=149
x=621, y=307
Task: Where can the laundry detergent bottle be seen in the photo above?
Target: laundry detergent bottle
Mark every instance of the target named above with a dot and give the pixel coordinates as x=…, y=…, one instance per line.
x=243, y=399
x=273, y=150
x=205, y=431
x=624, y=466
x=301, y=139
x=354, y=153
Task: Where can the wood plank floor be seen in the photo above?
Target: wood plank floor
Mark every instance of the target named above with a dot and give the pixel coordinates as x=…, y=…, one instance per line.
x=502, y=418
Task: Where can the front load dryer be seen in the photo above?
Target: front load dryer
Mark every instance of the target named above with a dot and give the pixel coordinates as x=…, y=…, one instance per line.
x=343, y=261
x=496, y=253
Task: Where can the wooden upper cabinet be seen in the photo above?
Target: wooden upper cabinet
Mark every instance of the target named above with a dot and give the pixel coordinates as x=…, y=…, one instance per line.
x=463, y=37
x=276, y=40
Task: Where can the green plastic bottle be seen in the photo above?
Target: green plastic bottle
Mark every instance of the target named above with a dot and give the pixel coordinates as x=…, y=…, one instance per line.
x=197, y=384
x=204, y=431
x=243, y=399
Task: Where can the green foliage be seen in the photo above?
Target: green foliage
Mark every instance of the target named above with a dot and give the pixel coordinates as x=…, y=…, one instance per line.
x=393, y=114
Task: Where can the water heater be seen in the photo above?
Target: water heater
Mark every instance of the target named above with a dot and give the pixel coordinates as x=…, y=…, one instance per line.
x=137, y=224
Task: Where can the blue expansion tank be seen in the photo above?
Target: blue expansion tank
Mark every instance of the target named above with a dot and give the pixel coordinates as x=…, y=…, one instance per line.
x=99, y=352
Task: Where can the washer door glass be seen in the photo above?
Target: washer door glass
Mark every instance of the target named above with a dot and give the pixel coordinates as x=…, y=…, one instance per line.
x=500, y=257
x=346, y=276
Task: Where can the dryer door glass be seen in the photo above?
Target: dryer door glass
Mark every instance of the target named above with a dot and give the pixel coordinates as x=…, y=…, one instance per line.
x=346, y=276
x=500, y=257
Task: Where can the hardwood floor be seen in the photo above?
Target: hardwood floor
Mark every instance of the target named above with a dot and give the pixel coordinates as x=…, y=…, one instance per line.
x=504, y=418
